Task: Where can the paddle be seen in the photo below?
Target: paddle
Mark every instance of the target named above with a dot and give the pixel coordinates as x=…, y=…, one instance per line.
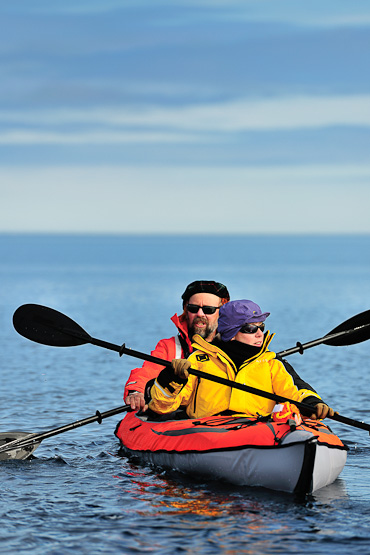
x=49, y=327
x=354, y=330
x=21, y=445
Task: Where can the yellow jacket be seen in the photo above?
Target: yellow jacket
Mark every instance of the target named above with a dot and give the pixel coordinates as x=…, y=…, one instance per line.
x=203, y=397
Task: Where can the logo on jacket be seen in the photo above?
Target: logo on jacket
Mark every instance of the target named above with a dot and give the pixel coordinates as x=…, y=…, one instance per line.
x=202, y=358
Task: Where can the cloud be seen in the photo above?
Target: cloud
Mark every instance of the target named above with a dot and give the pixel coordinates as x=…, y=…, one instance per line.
x=30, y=137
x=182, y=123
x=279, y=199
x=314, y=13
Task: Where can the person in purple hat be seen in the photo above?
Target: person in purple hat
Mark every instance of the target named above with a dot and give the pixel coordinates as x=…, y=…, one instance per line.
x=238, y=353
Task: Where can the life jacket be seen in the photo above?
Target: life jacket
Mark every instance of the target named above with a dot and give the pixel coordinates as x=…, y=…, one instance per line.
x=204, y=397
x=178, y=346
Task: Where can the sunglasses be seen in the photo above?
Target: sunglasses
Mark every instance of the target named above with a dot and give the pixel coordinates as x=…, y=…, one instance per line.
x=252, y=328
x=194, y=308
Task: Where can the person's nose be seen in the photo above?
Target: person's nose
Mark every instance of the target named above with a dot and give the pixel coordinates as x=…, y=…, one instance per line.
x=200, y=312
x=259, y=332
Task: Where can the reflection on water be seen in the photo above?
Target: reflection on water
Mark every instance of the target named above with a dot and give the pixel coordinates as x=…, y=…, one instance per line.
x=237, y=520
x=175, y=497
x=335, y=492
x=175, y=493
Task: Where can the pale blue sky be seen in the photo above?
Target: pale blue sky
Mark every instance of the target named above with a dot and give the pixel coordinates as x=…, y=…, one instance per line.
x=189, y=116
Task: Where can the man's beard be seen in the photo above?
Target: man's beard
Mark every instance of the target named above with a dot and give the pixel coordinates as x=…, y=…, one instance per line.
x=203, y=332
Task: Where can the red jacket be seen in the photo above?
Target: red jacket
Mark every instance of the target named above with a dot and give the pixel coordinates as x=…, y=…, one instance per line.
x=166, y=348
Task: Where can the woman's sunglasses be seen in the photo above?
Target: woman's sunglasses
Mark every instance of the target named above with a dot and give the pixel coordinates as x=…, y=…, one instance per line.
x=252, y=328
x=194, y=308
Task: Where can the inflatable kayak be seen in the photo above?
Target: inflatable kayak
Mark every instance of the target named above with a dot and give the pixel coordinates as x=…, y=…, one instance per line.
x=280, y=456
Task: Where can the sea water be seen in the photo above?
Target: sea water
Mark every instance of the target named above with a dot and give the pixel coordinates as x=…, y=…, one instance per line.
x=77, y=495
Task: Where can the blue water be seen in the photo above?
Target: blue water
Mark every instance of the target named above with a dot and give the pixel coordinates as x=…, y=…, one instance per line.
x=77, y=495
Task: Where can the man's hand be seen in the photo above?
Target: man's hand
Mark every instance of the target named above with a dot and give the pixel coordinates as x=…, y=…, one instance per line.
x=322, y=411
x=136, y=401
x=180, y=367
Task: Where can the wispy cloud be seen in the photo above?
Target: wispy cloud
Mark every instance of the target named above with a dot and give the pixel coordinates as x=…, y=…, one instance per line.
x=300, y=199
x=29, y=137
x=331, y=13
x=183, y=123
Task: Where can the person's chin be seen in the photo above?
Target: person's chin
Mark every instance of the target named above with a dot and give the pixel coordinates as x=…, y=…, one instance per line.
x=201, y=331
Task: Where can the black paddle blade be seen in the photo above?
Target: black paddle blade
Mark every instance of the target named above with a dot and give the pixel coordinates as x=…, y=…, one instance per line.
x=48, y=326
x=355, y=330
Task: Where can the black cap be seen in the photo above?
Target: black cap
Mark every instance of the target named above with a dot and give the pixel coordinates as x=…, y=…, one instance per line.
x=213, y=287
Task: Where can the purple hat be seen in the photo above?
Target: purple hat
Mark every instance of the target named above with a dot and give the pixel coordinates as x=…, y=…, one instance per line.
x=235, y=314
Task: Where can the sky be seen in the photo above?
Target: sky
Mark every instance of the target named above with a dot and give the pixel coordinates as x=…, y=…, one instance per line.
x=194, y=116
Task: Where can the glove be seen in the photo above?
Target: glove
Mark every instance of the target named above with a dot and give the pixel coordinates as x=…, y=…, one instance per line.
x=322, y=411
x=180, y=366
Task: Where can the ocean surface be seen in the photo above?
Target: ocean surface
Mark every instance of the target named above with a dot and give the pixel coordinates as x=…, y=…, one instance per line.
x=77, y=495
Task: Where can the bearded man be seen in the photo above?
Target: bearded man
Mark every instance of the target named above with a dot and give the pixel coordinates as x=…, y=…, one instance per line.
x=201, y=303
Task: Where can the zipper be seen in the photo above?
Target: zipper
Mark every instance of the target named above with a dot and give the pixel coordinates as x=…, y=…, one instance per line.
x=196, y=393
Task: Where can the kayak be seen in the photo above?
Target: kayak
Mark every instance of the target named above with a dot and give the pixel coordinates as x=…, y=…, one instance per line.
x=276, y=455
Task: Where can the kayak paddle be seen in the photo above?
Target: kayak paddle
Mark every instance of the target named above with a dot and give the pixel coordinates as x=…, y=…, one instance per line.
x=352, y=331
x=49, y=327
x=21, y=445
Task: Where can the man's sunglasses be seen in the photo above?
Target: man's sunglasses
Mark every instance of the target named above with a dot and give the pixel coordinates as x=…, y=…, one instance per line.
x=252, y=328
x=194, y=308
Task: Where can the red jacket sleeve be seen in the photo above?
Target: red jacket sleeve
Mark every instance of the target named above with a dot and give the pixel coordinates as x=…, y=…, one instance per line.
x=166, y=349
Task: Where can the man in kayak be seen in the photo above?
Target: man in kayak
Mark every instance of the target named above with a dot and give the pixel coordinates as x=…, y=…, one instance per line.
x=239, y=354
x=201, y=303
